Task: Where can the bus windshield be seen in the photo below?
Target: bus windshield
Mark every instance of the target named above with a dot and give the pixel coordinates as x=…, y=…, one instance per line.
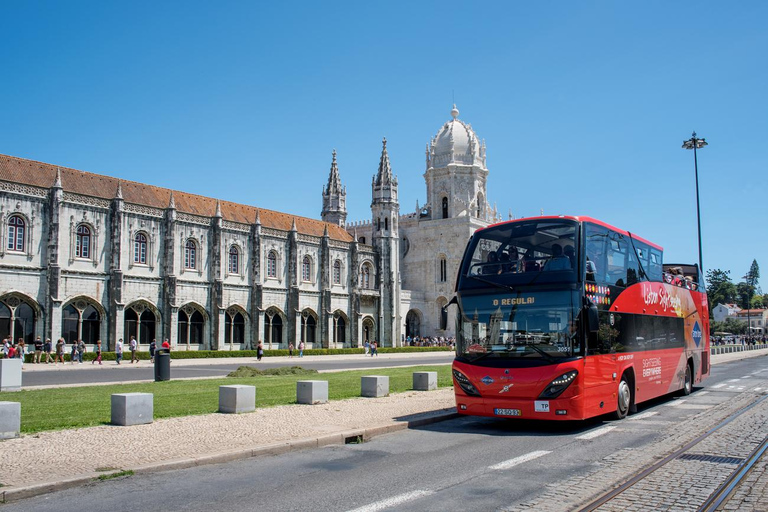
x=540, y=325
x=541, y=251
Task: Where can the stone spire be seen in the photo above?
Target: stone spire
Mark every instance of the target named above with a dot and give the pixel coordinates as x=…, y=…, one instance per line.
x=293, y=225
x=218, y=209
x=384, y=175
x=57, y=183
x=119, y=191
x=334, y=197
x=258, y=218
x=172, y=202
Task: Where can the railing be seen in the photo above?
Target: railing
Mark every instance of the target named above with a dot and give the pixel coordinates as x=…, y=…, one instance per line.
x=737, y=347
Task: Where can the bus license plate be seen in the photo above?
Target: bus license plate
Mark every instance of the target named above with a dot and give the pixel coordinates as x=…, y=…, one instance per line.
x=506, y=412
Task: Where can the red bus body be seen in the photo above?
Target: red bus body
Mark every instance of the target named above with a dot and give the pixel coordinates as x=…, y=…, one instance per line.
x=489, y=383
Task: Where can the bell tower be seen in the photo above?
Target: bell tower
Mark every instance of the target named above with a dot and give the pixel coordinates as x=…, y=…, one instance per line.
x=334, y=197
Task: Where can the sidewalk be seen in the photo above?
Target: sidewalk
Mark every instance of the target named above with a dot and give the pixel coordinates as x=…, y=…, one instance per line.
x=186, y=441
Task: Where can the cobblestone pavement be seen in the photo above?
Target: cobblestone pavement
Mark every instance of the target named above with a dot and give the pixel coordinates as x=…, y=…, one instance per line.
x=752, y=494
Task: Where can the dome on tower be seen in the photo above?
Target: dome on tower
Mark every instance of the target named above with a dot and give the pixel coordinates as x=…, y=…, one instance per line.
x=455, y=142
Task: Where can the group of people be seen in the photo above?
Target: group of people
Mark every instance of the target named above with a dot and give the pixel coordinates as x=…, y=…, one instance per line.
x=677, y=277
x=291, y=348
x=562, y=258
x=371, y=348
x=44, y=349
x=430, y=341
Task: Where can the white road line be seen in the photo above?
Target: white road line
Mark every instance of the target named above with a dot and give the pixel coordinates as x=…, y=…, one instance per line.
x=741, y=388
x=596, y=433
x=393, y=501
x=718, y=386
x=700, y=393
x=518, y=460
x=675, y=403
x=747, y=377
x=734, y=380
x=757, y=389
x=643, y=415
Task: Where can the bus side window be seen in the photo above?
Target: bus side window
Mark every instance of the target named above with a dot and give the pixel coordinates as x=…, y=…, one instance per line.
x=596, y=237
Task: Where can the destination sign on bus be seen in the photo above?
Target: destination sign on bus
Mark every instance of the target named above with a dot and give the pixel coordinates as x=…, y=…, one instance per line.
x=514, y=301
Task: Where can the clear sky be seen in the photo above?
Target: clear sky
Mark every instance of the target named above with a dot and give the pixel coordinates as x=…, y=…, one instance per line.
x=583, y=105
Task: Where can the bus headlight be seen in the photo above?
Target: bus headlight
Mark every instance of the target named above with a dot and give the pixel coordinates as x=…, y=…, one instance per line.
x=464, y=383
x=555, y=388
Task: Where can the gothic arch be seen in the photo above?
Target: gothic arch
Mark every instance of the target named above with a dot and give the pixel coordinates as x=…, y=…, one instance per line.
x=369, y=329
x=413, y=322
x=193, y=326
x=142, y=319
x=309, y=323
x=236, y=325
x=82, y=317
x=340, y=328
x=20, y=317
x=274, y=325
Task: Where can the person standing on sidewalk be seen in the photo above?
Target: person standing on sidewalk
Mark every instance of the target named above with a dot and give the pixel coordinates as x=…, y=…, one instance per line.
x=301, y=349
x=38, y=349
x=73, y=352
x=290, y=350
x=259, y=351
x=133, y=345
x=47, y=347
x=21, y=351
x=373, y=349
x=367, y=347
x=152, y=347
x=80, y=351
x=59, y=352
x=119, y=350
x=98, y=352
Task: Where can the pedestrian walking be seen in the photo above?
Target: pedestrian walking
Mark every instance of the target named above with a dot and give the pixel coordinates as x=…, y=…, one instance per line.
x=301, y=349
x=374, y=352
x=21, y=351
x=73, y=352
x=152, y=348
x=166, y=345
x=6, y=346
x=80, y=351
x=133, y=345
x=47, y=348
x=38, y=349
x=98, y=352
x=259, y=351
x=367, y=347
x=119, y=350
x=290, y=350
x=59, y=352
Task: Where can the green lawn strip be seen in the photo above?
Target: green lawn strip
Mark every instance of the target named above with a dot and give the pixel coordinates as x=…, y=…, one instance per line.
x=63, y=408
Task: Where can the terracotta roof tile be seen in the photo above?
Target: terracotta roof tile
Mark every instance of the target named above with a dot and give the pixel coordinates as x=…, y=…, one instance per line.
x=38, y=174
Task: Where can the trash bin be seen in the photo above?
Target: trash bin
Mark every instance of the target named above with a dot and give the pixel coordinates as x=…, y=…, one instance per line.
x=162, y=364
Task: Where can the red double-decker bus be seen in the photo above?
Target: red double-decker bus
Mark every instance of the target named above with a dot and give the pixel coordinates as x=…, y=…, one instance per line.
x=569, y=318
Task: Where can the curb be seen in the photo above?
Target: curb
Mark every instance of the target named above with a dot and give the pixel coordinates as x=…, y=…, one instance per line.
x=339, y=438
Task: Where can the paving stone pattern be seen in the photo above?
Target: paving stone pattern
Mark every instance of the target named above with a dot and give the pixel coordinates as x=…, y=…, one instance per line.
x=677, y=488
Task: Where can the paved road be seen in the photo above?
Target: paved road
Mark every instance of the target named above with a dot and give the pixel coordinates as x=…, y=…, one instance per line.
x=40, y=375
x=466, y=463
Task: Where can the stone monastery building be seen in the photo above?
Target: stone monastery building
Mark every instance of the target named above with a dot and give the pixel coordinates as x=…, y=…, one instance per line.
x=86, y=256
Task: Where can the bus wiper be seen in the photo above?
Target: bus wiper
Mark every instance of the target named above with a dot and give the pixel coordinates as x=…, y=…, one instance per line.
x=493, y=283
x=543, y=353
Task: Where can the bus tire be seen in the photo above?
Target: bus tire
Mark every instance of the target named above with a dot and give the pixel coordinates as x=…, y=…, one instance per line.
x=688, y=382
x=623, y=399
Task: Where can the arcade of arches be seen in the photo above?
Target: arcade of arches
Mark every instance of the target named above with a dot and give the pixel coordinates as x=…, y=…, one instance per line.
x=17, y=319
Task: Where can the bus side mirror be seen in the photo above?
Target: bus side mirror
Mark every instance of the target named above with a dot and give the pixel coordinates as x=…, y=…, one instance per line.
x=593, y=319
x=454, y=300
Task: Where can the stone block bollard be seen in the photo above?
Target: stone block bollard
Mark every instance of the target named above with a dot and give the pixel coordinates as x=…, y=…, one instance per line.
x=132, y=408
x=312, y=391
x=237, y=398
x=424, y=381
x=374, y=386
x=10, y=419
x=10, y=374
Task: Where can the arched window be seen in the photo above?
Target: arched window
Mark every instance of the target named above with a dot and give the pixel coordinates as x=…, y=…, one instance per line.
x=234, y=330
x=443, y=270
x=80, y=321
x=190, y=255
x=308, y=327
x=445, y=207
x=365, y=276
x=339, y=329
x=140, y=249
x=306, y=269
x=190, y=326
x=272, y=264
x=337, y=272
x=273, y=325
x=16, y=233
x=234, y=260
x=83, y=242
x=90, y=332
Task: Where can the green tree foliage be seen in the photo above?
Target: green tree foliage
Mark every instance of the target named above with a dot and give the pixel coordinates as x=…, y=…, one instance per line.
x=744, y=294
x=758, y=302
x=720, y=289
x=730, y=325
x=753, y=275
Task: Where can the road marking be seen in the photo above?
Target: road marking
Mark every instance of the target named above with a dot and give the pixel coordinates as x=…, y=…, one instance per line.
x=393, y=501
x=718, y=386
x=700, y=393
x=740, y=388
x=734, y=380
x=675, y=403
x=757, y=389
x=596, y=433
x=519, y=460
x=747, y=377
x=643, y=415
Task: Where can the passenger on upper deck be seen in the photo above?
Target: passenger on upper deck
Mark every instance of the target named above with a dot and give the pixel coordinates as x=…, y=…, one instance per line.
x=558, y=261
x=492, y=267
x=571, y=254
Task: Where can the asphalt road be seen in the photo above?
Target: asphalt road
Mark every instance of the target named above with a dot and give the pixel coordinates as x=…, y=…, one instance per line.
x=110, y=372
x=466, y=463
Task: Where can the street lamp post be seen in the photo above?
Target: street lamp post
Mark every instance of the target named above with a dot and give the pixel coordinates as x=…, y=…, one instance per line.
x=695, y=143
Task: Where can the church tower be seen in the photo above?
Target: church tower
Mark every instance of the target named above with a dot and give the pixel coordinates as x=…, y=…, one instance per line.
x=456, y=173
x=385, y=212
x=334, y=197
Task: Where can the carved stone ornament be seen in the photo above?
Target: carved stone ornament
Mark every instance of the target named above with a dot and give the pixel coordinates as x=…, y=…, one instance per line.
x=81, y=305
x=13, y=302
x=189, y=309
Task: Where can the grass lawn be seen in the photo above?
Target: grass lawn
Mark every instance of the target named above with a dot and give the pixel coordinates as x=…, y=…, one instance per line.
x=55, y=409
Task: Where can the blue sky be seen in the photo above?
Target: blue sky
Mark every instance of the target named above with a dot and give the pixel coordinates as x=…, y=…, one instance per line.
x=583, y=105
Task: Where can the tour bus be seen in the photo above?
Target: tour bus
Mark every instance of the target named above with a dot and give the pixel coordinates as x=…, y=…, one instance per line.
x=568, y=318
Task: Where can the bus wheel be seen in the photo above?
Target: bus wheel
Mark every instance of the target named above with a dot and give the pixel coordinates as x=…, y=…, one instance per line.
x=624, y=399
x=688, y=385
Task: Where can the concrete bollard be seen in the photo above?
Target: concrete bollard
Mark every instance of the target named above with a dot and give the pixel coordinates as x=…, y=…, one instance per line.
x=132, y=408
x=237, y=398
x=10, y=374
x=10, y=419
x=424, y=381
x=312, y=391
x=374, y=386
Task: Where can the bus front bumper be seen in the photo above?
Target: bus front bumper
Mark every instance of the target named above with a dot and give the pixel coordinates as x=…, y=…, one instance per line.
x=563, y=409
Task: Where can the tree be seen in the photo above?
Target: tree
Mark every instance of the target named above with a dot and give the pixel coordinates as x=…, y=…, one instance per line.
x=744, y=293
x=753, y=275
x=720, y=289
x=758, y=302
